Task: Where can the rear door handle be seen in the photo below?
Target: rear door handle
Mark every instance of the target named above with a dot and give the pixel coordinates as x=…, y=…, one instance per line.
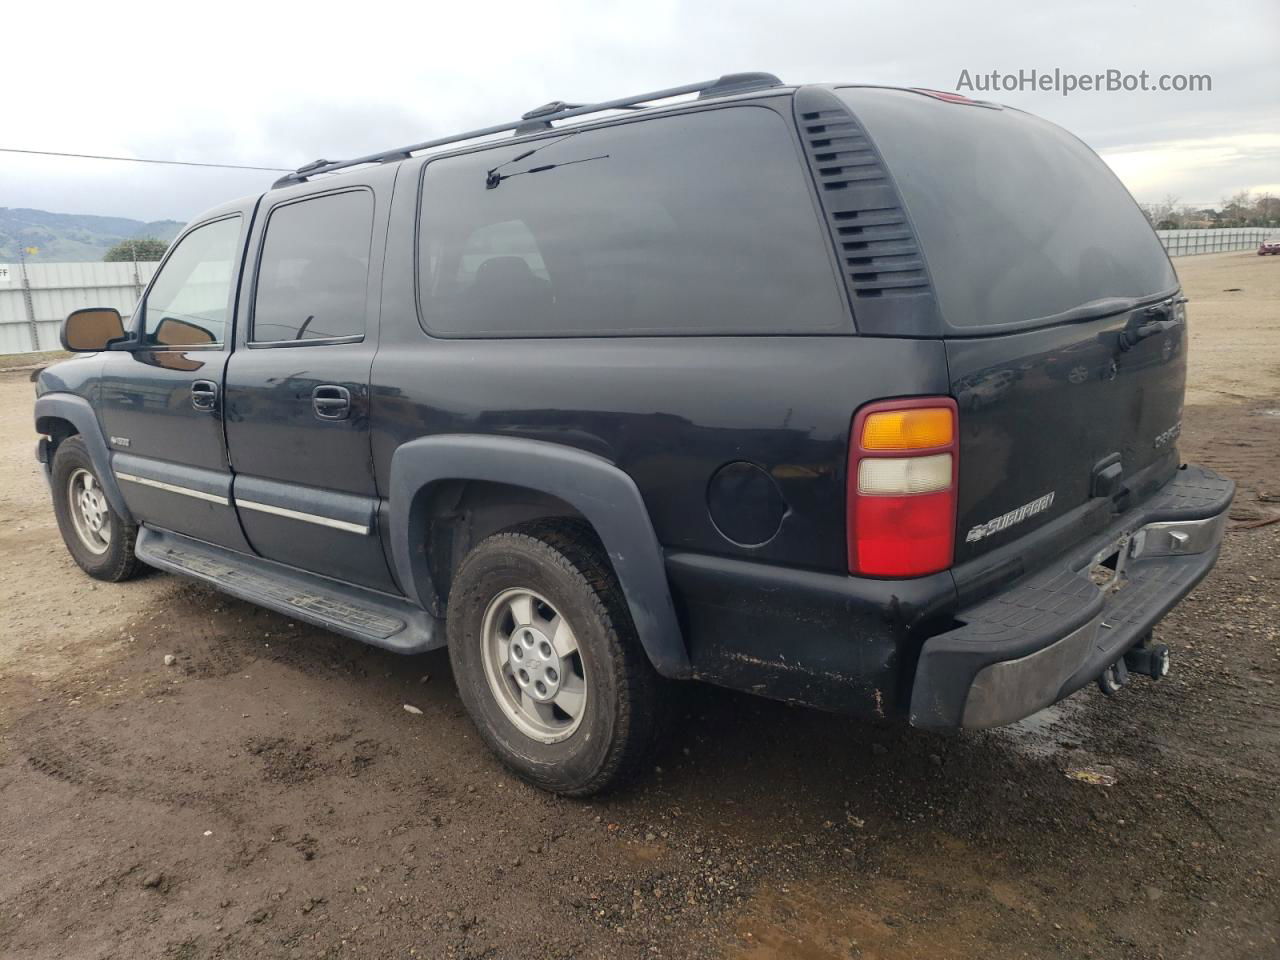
x=204, y=394
x=1131, y=338
x=331, y=402
x=1162, y=320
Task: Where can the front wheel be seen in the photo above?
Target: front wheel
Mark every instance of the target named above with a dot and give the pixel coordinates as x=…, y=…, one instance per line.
x=547, y=660
x=98, y=539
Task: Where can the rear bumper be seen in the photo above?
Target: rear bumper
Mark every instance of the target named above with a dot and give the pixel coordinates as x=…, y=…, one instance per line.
x=821, y=639
x=1054, y=631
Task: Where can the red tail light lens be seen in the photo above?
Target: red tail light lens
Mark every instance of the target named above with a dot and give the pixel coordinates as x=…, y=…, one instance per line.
x=901, y=487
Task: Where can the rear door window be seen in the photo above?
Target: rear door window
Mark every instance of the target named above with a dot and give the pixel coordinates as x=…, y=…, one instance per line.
x=314, y=269
x=1019, y=220
x=689, y=224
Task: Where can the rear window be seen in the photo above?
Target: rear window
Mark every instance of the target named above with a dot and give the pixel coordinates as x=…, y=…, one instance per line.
x=691, y=224
x=1017, y=218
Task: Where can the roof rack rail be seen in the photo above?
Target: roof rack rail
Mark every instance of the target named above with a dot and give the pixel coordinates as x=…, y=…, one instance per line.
x=540, y=118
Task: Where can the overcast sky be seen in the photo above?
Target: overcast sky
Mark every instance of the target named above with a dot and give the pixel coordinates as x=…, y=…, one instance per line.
x=260, y=83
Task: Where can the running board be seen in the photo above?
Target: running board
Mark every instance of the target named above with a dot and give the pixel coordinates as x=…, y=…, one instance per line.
x=371, y=617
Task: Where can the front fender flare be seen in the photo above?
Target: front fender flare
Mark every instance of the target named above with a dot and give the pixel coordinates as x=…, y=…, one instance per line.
x=605, y=495
x=77, y=411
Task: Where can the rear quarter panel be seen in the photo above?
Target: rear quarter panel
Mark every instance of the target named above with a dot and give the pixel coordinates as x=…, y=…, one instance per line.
x=668, y=411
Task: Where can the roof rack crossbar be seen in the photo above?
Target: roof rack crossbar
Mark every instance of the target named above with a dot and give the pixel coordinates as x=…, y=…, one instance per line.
x=731, y=83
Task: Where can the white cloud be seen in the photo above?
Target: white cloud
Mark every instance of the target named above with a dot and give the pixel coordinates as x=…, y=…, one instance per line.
x=271, y=82
x=1200, y=171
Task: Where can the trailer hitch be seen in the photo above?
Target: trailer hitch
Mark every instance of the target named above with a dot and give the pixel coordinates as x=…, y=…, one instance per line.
x=1145, y=658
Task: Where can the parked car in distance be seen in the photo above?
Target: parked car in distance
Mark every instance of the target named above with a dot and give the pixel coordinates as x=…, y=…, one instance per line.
x=850, y=396
x=1269, y=244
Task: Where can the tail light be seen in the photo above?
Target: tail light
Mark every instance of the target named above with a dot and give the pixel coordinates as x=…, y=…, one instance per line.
x=901, y=488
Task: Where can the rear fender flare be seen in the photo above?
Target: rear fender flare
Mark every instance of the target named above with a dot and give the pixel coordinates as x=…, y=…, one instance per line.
x=605, y=495
x=77, y=411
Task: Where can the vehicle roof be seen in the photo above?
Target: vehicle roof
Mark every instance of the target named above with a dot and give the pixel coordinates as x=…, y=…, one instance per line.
x=577, y=123
x=586, y=121
x=356, y=173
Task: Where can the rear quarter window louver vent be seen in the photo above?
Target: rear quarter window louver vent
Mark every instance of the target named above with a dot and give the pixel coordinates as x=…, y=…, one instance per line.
x=880, y=259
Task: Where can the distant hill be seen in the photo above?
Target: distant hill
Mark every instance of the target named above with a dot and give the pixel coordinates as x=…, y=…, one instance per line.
x=71, y=236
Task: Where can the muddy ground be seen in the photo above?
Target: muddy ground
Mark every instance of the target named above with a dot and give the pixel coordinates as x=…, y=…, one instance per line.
x=268, y=796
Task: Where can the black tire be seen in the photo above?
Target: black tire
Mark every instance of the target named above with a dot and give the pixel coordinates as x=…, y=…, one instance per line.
x=116, y=561
x=620, y=723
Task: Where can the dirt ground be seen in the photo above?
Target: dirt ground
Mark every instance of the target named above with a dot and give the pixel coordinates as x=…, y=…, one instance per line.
x=268, y=796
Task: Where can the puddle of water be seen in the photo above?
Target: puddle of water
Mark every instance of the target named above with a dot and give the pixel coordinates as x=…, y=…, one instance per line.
x=1047, y=733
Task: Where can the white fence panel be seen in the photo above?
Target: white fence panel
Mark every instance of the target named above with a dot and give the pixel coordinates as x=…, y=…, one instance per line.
x=55, y=290
x=15, y=338
x=1186, y=243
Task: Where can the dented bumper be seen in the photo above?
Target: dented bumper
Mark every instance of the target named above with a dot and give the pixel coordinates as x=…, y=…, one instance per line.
x=1053, y=631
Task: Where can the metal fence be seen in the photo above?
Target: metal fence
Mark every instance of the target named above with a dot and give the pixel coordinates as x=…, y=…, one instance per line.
x=1184, y=243
x=36, y=297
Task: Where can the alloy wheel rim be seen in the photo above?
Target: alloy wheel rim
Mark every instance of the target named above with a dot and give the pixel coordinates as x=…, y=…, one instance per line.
x=533, y=665
x=90, y=514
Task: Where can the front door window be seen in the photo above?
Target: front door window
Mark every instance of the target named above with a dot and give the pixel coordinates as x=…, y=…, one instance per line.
x=189, y=304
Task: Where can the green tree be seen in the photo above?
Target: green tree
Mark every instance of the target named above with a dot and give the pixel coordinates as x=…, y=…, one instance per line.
x=143, y=248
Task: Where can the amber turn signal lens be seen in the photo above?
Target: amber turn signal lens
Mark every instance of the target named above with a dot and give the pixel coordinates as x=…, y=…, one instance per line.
x=916, y=429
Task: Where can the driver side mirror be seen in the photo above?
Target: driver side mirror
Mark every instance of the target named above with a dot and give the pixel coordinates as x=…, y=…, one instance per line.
x=92, y=329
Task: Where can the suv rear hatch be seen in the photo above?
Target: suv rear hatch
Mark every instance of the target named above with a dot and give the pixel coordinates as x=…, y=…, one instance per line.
x=1059, y=307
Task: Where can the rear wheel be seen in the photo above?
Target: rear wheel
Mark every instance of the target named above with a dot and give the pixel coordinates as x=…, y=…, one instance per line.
x=99, y=540
x=534, y=667
x=547, y=661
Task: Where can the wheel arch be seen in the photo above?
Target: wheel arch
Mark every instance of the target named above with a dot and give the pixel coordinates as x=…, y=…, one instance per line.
x=460, y=513
x=591, y=487
x=59, y=415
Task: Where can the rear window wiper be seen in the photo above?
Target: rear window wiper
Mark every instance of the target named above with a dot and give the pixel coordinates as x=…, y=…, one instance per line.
x=493, y=177
x=1097, y=309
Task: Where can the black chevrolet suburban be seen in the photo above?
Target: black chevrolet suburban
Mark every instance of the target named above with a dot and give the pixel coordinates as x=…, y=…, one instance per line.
x=850, y=396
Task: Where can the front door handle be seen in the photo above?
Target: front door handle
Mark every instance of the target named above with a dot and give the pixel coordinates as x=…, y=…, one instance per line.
x=331, y=402
x=204, y=394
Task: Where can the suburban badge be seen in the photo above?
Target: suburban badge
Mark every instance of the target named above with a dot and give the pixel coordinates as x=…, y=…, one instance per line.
x=1168, y=437
x=1006, y=520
